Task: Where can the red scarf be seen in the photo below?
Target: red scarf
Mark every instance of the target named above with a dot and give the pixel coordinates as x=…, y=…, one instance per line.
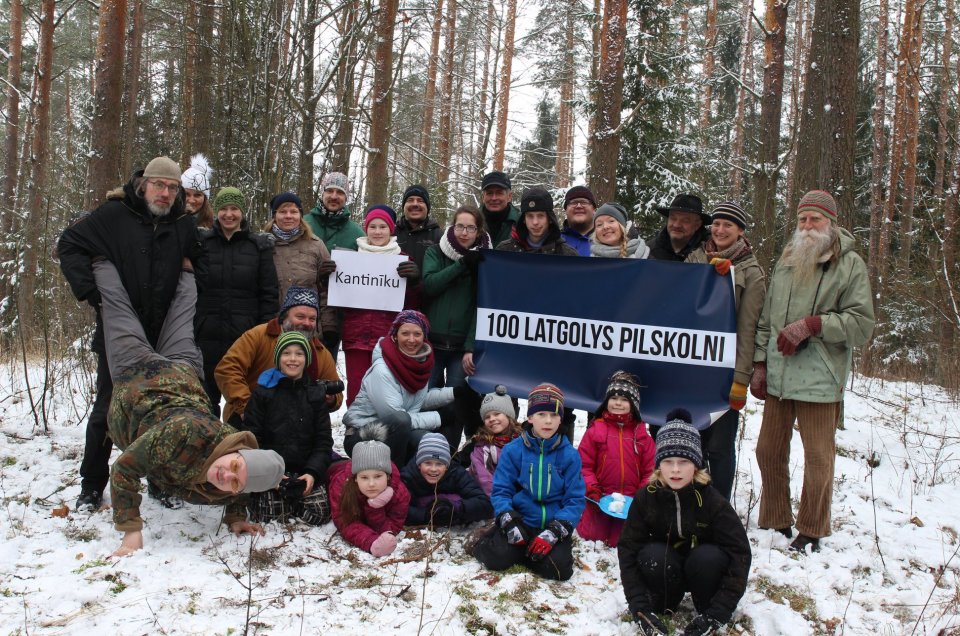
x=412, y=373
x=502, y=440
x=620, y=419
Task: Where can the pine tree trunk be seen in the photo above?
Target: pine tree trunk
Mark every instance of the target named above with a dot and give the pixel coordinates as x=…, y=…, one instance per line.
x=486, y=118
x=131, y=87
x=39, y=160
x=709, y=61
x=904, y=88
x=430, y=93
x=768, y=153
x=878, y=153
x=446, y=106
x=827, y=140
x=910, y=160
x=604, y=147
x=308, y=125
x=187, y=133
x=103, y=167
x=595, y=44
x=381, y=110
x=12, y=135
x=801, y=41
x=503, y=106
x=945, y=98
x=564, y=163
x=345, y=89
x=746, y=61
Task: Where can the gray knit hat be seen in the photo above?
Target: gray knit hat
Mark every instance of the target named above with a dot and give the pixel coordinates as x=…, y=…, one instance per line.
x=614, y=210
x=336, y=180
x=163, y=168
x=264, y=469
x=371, y=455
x=678, y=438
x=433, y=446
x=498, y=401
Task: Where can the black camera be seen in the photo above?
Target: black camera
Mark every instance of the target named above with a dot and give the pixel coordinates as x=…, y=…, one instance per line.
x=331, y=387
x=291, y=487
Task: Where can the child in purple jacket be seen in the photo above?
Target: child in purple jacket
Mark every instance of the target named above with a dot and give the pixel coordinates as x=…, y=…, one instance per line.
x=499, y=428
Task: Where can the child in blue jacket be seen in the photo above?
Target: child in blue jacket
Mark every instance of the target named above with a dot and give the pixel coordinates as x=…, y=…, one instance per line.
x=538, y=495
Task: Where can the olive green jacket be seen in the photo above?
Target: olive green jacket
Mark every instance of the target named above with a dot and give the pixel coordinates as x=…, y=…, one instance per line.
x=840, y=294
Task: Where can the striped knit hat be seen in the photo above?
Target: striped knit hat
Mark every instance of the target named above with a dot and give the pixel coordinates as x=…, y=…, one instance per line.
x=433, y=446
x=731, y=211
x=288, y=338
x=678, y=438
x=625, y=385
x=819, y=201
x=546, y=397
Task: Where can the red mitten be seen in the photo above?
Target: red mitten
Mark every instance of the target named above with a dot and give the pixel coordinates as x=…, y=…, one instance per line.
x=758, y=381
x=594, y=491
x=793, y=335
x=382, y=499
x=722, y=265
x=383, y=545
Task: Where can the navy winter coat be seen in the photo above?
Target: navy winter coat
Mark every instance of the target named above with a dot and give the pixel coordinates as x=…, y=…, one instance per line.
x=455, y=485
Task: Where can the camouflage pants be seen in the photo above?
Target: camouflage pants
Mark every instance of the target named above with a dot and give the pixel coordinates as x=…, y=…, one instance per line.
x=314, y=509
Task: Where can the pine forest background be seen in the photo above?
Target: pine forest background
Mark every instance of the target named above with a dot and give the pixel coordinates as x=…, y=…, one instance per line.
x=641, y=99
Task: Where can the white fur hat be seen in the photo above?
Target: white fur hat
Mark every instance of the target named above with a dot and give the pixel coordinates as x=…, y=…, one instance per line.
x=197, y=176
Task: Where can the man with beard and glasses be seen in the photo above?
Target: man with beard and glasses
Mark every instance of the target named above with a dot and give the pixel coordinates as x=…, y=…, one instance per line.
x=818, y=308
x=252, y=353
x=143, y=228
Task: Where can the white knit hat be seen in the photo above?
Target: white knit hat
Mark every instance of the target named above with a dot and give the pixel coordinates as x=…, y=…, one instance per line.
x=197, y=176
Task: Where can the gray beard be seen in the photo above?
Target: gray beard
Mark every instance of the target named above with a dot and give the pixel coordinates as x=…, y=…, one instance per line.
x=158, y=210
x=289, y=326
x=805, y=252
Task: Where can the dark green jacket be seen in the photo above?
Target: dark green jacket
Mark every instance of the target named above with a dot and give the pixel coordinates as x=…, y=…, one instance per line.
x=450, y=293
x=160, y=418
x=335, y=230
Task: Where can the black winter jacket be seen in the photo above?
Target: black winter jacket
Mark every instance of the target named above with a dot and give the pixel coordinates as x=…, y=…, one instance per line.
x=239, y=290
x=291, y=418
x=147, y=251
x=662, y=250
x=455, y=483
x=415, y=241
x=704, y=517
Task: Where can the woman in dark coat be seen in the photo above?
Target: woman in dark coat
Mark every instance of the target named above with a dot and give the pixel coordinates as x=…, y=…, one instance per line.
x=239, y=287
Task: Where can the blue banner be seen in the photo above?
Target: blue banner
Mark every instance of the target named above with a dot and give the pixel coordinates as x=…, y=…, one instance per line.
x=575, y=321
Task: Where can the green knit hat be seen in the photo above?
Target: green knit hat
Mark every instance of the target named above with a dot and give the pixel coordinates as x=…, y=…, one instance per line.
x=230, y=196
x=288, y=338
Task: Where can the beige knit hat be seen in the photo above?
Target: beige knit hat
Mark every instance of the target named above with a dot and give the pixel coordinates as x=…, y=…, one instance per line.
x=163, y=168
x=819, y=201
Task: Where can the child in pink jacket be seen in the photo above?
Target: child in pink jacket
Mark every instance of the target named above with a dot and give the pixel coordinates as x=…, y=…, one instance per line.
x=368, y=498
x=617, y=454
x=499, y=428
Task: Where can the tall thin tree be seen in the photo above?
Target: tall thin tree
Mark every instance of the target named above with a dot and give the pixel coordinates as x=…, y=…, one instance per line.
x=506, y=75
x=381, y=110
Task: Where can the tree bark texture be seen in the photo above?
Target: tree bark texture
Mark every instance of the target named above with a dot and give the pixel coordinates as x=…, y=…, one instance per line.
x=604, y=147
x=564, y=164
x=131, y=87
x=430, y=92
x=446, y=104
x=103, y=166
x=709, y=61
x=381, y=110
x=878, y=152
x=746, y=62
x=503, y=105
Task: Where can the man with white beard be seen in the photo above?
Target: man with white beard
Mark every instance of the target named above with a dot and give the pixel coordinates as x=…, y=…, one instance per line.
x=818, y=308
x=143, y=229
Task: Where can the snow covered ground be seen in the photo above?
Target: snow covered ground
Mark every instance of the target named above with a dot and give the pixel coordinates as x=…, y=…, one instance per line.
x=891, y=566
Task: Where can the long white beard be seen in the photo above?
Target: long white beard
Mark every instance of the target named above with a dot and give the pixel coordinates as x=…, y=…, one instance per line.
x=806, y=250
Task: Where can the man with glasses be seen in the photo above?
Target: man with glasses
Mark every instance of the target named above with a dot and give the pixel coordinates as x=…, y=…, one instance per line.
x=144, y=230
x=579, y=205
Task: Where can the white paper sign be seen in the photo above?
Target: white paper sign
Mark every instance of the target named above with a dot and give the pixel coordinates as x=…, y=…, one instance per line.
x=366, y=281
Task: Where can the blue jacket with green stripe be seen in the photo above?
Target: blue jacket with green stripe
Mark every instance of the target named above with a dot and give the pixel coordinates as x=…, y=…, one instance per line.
x=541, y=479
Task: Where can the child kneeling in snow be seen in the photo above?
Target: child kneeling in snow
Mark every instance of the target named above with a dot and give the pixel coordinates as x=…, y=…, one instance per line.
x=617, y=455
x=537, y=495
x=288, y=413
x=707, y=555
x=442, y=494
x=499, y=428
x=368, y=498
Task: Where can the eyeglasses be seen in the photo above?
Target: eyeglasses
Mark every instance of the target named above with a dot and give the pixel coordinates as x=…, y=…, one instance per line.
x=159, y=185
x=580, y=202
x=465, y=229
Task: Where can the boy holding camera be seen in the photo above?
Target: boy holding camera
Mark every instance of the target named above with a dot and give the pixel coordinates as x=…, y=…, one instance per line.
x=288, y=413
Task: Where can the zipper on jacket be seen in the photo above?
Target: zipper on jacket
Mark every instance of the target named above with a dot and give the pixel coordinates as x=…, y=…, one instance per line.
x=620, y=450
x=676, y=499
x=543, y=509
